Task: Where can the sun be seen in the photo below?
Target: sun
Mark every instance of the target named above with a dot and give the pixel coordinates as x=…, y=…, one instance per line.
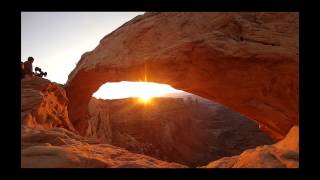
x=145, y=99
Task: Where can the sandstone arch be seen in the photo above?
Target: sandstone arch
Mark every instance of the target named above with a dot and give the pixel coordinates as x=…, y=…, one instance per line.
x=246, y=61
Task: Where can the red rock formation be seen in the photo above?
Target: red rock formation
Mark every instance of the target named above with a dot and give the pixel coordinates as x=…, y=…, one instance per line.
x=44, y=104
x=284, y=154
x=246, y=61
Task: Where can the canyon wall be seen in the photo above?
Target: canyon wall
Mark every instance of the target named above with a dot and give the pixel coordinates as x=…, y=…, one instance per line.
x=186, y=131
x=246, y=61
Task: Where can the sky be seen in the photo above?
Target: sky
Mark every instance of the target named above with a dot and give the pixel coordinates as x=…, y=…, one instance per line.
x=137, y=89
x=56, y=41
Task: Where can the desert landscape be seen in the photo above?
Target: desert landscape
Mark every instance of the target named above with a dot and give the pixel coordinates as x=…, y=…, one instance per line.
x=241, y=74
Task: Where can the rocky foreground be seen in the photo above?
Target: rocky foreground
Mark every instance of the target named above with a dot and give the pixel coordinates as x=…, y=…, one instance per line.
x=60, y=148
x=284, y=154
x=48, y=139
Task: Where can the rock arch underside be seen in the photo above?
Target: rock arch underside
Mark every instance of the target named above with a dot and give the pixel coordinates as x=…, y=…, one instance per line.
x=246, y=61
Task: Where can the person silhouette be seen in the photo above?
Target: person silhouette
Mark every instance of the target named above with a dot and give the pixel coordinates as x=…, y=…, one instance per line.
x=27, y=67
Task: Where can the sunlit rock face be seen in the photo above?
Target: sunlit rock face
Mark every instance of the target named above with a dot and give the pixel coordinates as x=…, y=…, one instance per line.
x=246, y=61
x=185, y=130
x=44, y=104
x=284, y=154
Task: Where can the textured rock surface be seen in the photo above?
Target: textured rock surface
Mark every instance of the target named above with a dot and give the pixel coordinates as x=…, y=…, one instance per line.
x=43, y=104
x=246, y=61
x=179, y=130
x=284, y=154
x=60, y=148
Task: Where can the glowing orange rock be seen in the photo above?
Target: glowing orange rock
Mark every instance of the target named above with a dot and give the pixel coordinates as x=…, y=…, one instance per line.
x=246, y=61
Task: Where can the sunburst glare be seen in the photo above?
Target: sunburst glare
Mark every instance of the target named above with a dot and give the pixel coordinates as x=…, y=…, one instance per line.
x=145, y=91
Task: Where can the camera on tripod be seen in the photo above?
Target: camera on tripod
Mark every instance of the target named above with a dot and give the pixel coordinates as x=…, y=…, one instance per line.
x=40, y=73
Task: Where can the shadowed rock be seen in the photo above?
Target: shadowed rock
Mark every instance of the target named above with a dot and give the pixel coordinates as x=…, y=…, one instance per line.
x=284, y=154
x=179, y=130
